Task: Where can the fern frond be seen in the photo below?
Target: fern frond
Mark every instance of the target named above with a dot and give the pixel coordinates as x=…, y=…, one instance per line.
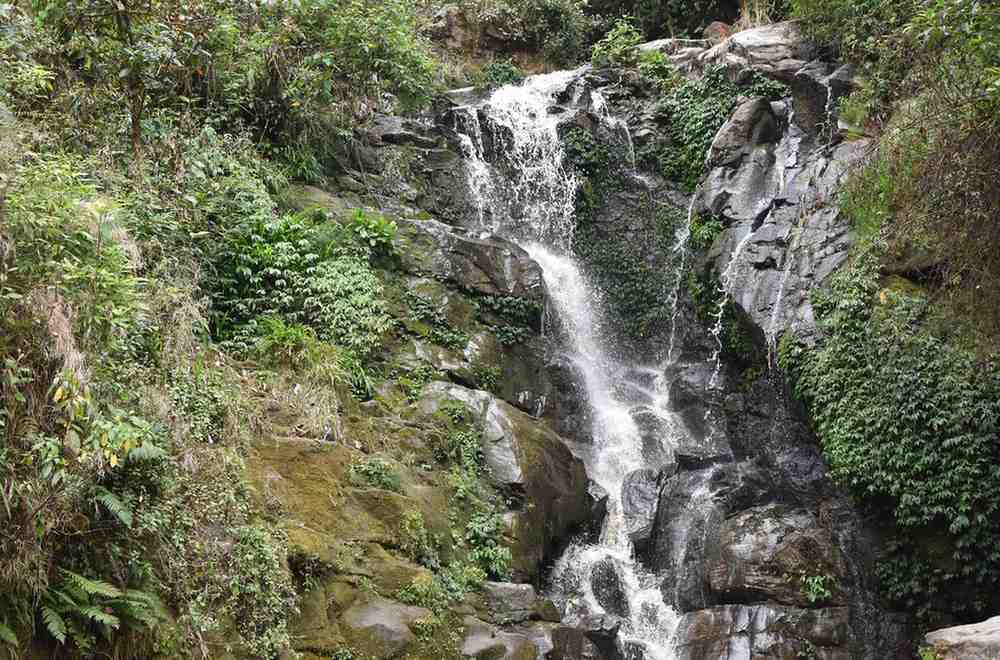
x=54, y=623
x=114, y=504
x=100, y=616
x=150, y=601
x=92, y=587
x=147, y=451
x=7, y=635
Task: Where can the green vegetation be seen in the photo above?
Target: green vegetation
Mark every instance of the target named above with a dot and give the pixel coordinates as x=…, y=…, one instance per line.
x=618, y=46
x=499, y=73
x=904, y=383
x=694, y=111
x=816, y=588
x=375, y=472
x=907, y=417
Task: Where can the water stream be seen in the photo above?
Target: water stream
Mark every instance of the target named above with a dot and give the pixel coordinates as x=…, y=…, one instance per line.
x=523, y=191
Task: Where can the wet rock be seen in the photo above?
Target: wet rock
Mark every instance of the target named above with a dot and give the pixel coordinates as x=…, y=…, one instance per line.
x=606, y=581
x=752, y=124
x=688, y=518
x=765, y=552
x=716, y=32
x=640, y=493
x=485, y=642
x=777, y=50
x=508, y=602
x=493, y=267
x=389, y=129
x=381, y=626
x=569, y=643
x=784, y=235
x=976, y=641
x=742, y=632
x=533, y=464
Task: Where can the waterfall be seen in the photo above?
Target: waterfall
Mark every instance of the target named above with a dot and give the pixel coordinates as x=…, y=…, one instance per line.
x=524, y=191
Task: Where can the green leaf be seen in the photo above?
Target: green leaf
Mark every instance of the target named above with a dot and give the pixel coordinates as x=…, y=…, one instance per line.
x=7, y=635
x=54, y=623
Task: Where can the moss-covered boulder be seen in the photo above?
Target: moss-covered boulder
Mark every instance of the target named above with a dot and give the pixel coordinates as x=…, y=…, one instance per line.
x=530, y=463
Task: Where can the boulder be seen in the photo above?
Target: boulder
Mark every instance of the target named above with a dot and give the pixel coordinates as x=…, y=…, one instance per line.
x=716, y=32
x=777, y=50
x=533, y=465
x=640, y=493
x=491, y=267
x=508, y=602
x=390, y=129
x=976, y=641
x=772, y=632
x=606, y=584
x=380, y=626
x=765, y=552
x=486, y=642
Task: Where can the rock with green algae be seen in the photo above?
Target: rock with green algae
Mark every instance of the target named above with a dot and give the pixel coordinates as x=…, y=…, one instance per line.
x=381, y=627
x=533, y=465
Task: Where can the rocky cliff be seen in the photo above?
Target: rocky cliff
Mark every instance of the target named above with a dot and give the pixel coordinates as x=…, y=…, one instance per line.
x=751, y=546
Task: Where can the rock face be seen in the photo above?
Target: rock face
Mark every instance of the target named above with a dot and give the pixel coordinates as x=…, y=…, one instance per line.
x=977, y=641
x=382, y=626
x=742, y=632
x=491, y=267
x=534, y=466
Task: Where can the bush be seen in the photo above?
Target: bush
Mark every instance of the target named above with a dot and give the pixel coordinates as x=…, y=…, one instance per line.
x=694, y=112
x=375, y=473
x=907, y=419
x=618, y=46
x=499, y=73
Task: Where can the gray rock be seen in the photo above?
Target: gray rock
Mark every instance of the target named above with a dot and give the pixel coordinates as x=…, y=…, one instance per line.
x=764, y=552
x=976, y=641
x=509, y=602
x=486, y=642
x=606, y=581
x=493, y=266
x=389, y=129
x=382, y=624
x=640, y=493
x=777, y=50
x=772, y=632
x=533, y=465
x=784, y=234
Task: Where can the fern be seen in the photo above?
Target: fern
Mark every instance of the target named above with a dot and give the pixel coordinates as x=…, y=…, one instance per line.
x=147, y=451
x=54, y=623
x=92, y=587
x=7, y=635
x=99, y=615
x=115, y=505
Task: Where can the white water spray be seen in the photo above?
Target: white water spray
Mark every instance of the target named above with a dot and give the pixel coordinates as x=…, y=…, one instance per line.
x=530, y=199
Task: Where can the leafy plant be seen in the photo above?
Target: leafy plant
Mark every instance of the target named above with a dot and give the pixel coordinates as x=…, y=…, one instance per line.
x=375, y=472
x=618, y=46
x=374, y=230
x=415, y=541
x=816, y=587
x=498, y=73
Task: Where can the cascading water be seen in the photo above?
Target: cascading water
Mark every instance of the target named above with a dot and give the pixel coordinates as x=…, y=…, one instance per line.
x=527, y=195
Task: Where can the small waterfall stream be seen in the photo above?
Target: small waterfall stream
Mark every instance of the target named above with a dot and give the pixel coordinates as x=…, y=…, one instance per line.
x=523, y=191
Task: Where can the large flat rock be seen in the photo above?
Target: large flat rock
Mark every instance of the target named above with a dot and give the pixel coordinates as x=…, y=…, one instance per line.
x=976, y=641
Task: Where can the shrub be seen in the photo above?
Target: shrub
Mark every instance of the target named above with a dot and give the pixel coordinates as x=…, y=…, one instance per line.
x=416, y=542
x=657, y=67
x=498, y=73
x=373, y=230
x=907, y=419
x=618, y=46
x=695, y=111
x=375, y=473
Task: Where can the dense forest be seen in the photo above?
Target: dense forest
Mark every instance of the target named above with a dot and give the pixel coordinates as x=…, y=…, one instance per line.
x=176, y=295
